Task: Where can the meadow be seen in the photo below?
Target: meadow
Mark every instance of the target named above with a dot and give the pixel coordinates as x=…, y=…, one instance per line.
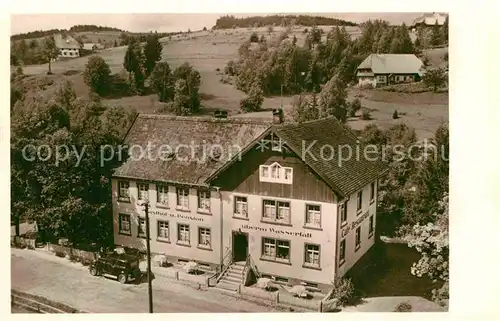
x=209, y=51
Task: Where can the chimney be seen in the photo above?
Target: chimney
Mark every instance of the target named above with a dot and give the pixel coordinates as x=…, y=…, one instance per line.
x=220, y=114
x=278, y=117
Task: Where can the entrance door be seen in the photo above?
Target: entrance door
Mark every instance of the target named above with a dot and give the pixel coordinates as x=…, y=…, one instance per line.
x=240, y=246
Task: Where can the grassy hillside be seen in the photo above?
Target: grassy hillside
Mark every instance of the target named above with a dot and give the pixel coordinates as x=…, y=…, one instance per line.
x=208, y=51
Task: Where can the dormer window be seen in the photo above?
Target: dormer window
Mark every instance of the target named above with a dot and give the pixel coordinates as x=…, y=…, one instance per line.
x=275, y=143
x=275, y=173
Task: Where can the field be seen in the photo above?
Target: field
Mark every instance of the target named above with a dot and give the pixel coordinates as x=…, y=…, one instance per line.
x=208, y=51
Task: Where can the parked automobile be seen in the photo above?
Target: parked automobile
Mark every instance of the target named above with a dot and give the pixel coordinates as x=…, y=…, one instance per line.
x=123, y=267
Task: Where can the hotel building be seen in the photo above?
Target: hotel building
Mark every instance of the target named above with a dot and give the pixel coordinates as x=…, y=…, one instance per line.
x=227, y=192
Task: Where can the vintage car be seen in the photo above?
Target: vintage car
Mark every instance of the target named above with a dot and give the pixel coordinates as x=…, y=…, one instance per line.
x=123, y=267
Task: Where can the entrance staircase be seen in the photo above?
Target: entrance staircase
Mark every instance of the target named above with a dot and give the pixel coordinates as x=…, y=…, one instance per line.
x=232, y=277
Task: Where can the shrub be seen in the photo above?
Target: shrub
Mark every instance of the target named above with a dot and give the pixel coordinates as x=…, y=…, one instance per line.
x=365, y=115
x=230, y=68
x=254, y=37
x=403, y=307
x=354, y=107
x=97, y=75
x=254, y=99
x=395, y=115
x=306, y=30
x=60, y=254
x=343, y=291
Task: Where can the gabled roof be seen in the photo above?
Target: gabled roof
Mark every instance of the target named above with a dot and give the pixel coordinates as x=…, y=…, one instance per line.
x=66, y=42
x=344, y=177
x=431, y=18
x=180, y=133
x=392, y=64
x=344, y=174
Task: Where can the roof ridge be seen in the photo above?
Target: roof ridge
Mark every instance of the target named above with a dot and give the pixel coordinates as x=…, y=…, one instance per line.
x=205, y=119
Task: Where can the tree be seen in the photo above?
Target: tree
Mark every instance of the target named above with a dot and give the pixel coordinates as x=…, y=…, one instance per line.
x=432, y=242
x=162, y=81
x=436, y=35
x=152, y=53
x=254, y=100
x=444, y=31
x=314, y=36
x=435, y=78
x=333, y=99
x=189, y=87
x=133, y=59
x=270, y=30
x=254, y=37
x=66, y=197
x=50, y=51
x=96, y=75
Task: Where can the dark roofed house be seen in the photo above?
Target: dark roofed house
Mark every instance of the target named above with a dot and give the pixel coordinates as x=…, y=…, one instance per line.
x=385, y=69
x=226, y=192
x=68, y=46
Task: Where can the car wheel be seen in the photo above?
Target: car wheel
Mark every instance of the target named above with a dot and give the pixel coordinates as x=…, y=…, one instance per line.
x=93, y=271
x=122, y=278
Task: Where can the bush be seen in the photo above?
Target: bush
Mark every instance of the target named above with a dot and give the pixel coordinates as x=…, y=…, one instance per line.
x=343, y=291
x=365, y=115
x=306, y=30
x=254, y=37
x=395, y=115
x=354, y=107
x=60, y=254
x=403, y=307
x=97, y=75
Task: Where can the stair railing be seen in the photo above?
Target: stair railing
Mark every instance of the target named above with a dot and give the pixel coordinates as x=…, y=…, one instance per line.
x=249, y=265
x=227, y=260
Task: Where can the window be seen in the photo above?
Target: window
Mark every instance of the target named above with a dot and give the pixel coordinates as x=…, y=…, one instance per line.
x=342, y=252
x=343, y=213
x=381, y=78
x=358, y=238
x=370, y=227
x=141, y=228
x=124, y=224
x=372, y=192
x=183, y=234
x=278, y=250
x=143, y=192
x=123, y=191
x=275, y=143
x=275, y=173
x=313, y=215
x=163, y=231
x=162, y=195
x=311, y=255
x=360, y=200
x=240, y=206
x=183, y=198
x=276, y=211
x=204, y=239
x=204, y=201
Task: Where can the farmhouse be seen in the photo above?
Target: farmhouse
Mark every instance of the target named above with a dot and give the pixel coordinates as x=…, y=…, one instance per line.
x=67, y=45
x=429, y=20
x=386, y=69
x=244, y=195
x=92, y=46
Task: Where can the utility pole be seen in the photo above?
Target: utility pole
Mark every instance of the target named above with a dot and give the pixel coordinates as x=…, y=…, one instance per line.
x=148, y=253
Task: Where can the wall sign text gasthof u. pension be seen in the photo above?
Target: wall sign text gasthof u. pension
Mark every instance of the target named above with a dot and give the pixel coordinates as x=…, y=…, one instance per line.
x=177, y=215
x=354, y=224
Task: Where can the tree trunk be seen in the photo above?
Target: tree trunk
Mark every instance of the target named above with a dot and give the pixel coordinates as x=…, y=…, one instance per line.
x=16, y=224
x=50, y=65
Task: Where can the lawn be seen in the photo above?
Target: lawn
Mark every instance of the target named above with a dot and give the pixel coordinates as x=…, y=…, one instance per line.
x=208, y=51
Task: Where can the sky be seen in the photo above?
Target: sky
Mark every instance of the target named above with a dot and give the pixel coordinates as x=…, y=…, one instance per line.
x=21, y=23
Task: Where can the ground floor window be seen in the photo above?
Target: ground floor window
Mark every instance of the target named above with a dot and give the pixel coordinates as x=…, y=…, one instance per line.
x=358, y=238
x=163, y=231
x=124, y=224
x=273, y=249
x=204, y=238
x=311, y=255
x=342, y=252
x=183, y=234
x=141, y=228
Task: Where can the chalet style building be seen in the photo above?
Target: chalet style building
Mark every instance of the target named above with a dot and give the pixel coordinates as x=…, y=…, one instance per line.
x=387, y=69
x=67, y=45
x=271, y=198
x=429, y=20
